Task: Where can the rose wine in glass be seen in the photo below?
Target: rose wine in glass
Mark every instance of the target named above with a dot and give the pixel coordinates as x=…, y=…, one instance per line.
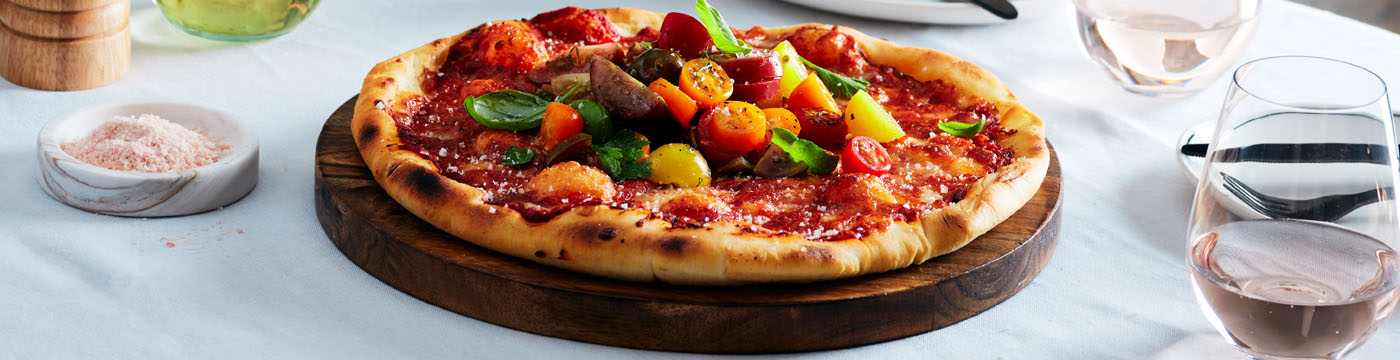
x=1323, y=292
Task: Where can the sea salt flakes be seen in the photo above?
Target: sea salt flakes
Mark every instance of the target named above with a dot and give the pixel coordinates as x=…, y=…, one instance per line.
x=145, y=143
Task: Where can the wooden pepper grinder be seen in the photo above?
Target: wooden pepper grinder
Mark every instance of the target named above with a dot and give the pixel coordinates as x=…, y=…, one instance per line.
x=64, y=44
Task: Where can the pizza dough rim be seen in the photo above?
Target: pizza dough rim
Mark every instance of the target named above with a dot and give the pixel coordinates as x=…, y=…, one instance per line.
x=627, y=244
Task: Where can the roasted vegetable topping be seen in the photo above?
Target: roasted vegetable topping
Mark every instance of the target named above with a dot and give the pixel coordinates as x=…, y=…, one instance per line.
x=865, y=155
x=706, y=82
x=679, y=165
x=730, y=131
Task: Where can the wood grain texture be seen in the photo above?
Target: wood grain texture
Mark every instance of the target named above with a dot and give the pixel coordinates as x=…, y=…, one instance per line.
x=64, y=45
x=64, y=5
x=107, y=19
x=64, y=65
x=396, y=247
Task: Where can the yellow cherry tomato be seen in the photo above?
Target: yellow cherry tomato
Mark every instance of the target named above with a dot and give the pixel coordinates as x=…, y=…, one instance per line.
x=866, y=117
x=793, y=70
x=680, y=165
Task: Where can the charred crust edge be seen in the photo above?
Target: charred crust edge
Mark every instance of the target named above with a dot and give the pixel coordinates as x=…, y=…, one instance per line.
x=673, y=245
x=368, y=133
x=424, y=184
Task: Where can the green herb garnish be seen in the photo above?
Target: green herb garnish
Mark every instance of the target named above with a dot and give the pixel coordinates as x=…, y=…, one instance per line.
x=962, y=129
x=596, y=121
x=506, y=110
x=563, y=98
x=719, y=30
x=840, y=85
x=620, y=157
x=801, y=150
x=517, y=156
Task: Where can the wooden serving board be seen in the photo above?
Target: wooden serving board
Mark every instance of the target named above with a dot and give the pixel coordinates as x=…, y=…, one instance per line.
x=401, y=250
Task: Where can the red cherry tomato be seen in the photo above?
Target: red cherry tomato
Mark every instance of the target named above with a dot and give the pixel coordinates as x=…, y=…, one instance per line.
x=759, y=65
x=822, y=127
x=757, y=92
x=685, y=34
x=865, y=155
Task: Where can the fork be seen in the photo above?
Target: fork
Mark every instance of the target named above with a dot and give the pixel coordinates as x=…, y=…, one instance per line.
x=1327, y=208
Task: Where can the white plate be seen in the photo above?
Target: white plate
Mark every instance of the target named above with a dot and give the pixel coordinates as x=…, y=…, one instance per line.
x=1198, y=133
x=928, y=11
x=123, y=193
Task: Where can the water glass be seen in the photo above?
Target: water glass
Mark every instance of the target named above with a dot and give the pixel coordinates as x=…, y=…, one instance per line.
x=1294, y=219
x=236, y=20
x=1155, y=47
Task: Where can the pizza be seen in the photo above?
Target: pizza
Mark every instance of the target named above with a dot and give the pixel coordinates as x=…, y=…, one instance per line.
x=639, y=146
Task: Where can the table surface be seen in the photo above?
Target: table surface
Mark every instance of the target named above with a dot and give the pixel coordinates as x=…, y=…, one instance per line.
x=259, y=278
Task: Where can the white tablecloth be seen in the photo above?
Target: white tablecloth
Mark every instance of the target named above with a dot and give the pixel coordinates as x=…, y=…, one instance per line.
x=259, y=278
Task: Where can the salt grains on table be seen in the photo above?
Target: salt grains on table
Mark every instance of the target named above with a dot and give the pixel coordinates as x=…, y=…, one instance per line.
x=145, y=143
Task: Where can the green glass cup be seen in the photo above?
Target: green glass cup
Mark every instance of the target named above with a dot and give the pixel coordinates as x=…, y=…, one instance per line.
x=236, y=20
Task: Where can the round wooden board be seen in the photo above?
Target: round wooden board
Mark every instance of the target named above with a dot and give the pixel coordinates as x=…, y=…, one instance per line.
x=401, y=250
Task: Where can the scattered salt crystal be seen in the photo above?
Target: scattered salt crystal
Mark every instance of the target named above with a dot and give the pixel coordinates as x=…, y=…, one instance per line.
x=145, y=143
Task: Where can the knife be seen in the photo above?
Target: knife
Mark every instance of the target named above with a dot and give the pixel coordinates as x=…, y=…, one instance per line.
x=1000, y=8
x=1297, y=153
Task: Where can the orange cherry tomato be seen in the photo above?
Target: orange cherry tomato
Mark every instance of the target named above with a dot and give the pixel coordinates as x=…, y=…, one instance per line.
x=646, y=149
x=811, y=93
x=865, y=155
x=706, y=82
x=683, y=108
x=560, y=121
x=782, y=118
x=731, y=130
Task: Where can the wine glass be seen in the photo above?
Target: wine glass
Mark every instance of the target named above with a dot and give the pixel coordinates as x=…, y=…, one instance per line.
x=1278, y=282
x=1154, y=47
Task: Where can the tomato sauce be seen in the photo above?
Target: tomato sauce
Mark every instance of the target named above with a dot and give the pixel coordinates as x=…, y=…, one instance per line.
x=816, y=207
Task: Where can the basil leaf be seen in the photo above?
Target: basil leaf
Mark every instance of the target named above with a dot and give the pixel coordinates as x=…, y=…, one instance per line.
x=962, y=129
x=801, y=150
x=840, y=85
x=596, y=121
x=506, y=110
x=517, y=156
x=620, y=156
x=719, y=30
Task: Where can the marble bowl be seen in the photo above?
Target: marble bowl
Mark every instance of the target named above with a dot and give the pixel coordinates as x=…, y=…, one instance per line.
x=123, y=193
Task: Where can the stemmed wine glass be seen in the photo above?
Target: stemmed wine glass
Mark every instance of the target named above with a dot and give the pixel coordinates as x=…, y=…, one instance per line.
x=1279, y=265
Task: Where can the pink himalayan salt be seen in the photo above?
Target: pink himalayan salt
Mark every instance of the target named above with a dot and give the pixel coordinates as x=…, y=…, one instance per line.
x=145, y=143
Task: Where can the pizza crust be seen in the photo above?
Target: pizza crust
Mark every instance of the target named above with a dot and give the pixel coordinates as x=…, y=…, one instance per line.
x=626, y=244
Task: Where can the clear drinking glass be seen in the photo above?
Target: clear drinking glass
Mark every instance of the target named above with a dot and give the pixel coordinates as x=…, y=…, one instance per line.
x=1155, y=47
x=1276, y=278
x=236, y=20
